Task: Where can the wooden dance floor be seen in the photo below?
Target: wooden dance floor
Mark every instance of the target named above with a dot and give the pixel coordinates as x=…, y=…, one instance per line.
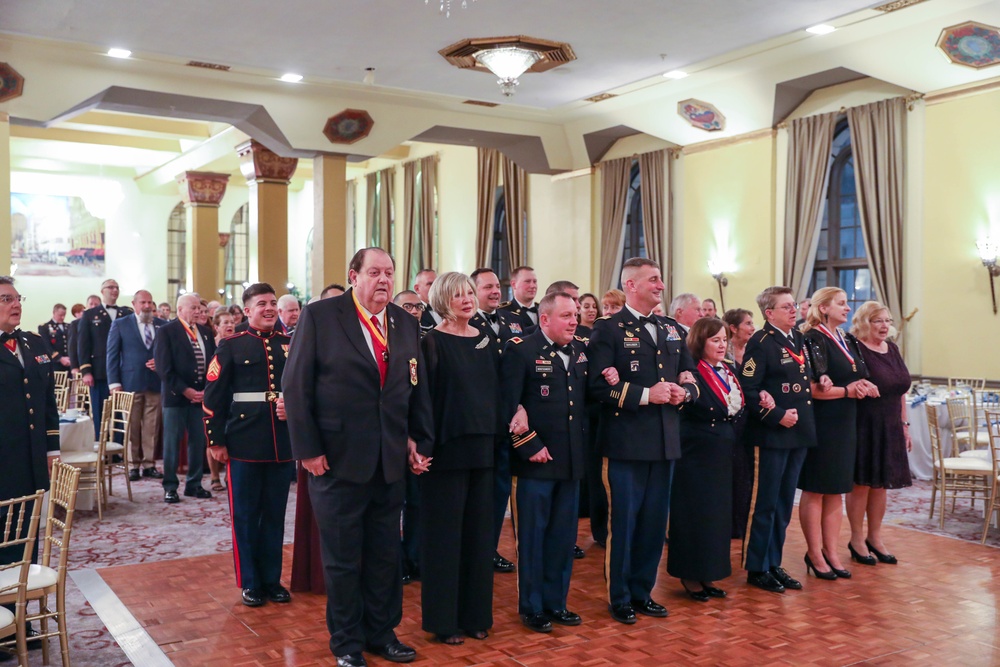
x=937, y=607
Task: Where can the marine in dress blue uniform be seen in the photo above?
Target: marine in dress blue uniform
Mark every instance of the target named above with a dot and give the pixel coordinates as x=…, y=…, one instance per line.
x=775, y=362
x=549, y=381
x=242, y=419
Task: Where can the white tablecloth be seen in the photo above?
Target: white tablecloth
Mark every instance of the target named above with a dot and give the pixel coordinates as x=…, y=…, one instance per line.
x=78, y=436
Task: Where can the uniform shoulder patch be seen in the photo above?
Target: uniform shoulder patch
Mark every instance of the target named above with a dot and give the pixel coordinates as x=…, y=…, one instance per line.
x=505, y=304
x=516, y=340
x=604, y=317
x=582, y=339
x=749, y=367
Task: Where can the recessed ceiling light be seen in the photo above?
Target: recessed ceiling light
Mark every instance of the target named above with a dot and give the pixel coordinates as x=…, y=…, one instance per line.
x=676, y=74
x=291, y=78
x=821, y=29
x=119, y=53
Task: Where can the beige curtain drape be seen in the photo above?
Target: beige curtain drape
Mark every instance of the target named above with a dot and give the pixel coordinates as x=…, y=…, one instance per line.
x=385, y=214
x=515, y=197
x=877, y=132
x=655, y=210
x=428, y=210
x=614, y=194
x=411, y=217
x=488, y=175
x=371, y=212
x=419, y=213
x=810, y=141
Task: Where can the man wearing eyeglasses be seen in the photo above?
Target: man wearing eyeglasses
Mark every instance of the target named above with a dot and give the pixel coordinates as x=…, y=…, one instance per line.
x=775, y=361
x=92, y=346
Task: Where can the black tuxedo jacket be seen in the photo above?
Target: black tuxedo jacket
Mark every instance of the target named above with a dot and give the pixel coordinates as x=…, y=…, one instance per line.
x=29, y=420
x=628, y=430
x=334, y=401
x=92, y=340
x=176, y=364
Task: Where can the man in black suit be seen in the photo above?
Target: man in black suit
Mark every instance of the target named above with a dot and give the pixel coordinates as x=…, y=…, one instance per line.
x=523, y=310
x=288, y=314
x=422, y=286
x=54, y=333
x=638, y=434
x=358, y=412
x=92, y=346
x=546, y=374
x=71, y=333
x=775, y=361
x=181, y=352
x=131, y=367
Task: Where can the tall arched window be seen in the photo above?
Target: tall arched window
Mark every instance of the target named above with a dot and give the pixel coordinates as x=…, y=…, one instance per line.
x=841, y=259
x=634, y=244
x=499, y=255
x=238, y=254
x=176, y=251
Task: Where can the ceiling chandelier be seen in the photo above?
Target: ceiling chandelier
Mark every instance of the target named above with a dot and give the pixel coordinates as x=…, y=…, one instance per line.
x=446, y=6
x=508, y=58
x=508, y=63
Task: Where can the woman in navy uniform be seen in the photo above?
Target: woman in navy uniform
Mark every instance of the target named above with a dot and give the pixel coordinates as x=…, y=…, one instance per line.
x=245, y=428
x=776, y=362
x=828, y=471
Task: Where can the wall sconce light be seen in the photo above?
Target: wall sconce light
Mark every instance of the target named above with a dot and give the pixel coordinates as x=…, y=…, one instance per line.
x=717, y=270
x=988, y=251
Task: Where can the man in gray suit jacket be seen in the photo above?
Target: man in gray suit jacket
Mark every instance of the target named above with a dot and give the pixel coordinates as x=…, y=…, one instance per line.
x=358, y=413
x=131, y=367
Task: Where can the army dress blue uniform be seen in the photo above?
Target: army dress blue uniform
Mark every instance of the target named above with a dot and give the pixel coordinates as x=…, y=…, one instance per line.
x=638, y=443
x=779, y=365
x=244, y=380
x=518, y=316
x=55, y=334
x=550, y=383
x=92, y=354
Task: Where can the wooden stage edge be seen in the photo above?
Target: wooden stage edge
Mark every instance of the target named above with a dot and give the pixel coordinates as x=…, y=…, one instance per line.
x=937, y=607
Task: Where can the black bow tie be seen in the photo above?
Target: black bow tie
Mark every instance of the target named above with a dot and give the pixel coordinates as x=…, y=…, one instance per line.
x=565, y=349
x=491, y=317
x=531, y=309
x=649, y=320
x=110, y=307
x=4, y=336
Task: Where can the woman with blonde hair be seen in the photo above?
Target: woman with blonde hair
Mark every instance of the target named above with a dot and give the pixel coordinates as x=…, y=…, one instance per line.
x=883, y=433
x=828, y=472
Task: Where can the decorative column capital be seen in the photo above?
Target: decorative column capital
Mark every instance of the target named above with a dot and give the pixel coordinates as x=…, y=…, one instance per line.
x=202, y=188
x=260, y=164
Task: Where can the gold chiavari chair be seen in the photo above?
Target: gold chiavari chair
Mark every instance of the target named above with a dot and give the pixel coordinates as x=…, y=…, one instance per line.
x=18, y=529
x=62, y=390
x=121, y=424
x=80, y=394
x=993, y=430
x=956, y=476
x=975, y=384
x=968, y=440
x=91, y=464
x=48, y=577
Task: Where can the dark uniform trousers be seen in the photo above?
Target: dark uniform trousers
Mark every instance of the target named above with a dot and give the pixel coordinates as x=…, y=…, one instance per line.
x=639, y=444
x=545, y=496
x=260, y=466
x=780, y=366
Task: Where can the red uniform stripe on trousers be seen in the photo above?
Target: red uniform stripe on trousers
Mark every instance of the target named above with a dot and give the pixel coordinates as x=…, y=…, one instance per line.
x=232, y=520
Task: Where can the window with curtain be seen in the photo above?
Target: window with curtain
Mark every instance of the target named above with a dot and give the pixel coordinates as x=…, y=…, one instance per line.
x=176, y=251
x=238, y=255
x=499, y=254
x=633, y=236
x=376, y=237
x=417, y=243
x=841, y=259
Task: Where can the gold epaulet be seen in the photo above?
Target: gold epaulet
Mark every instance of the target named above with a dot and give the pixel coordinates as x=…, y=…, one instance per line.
x=604, y=317
x=581, y=339
x=762, y=333
x=516, y=340
x=504, y=304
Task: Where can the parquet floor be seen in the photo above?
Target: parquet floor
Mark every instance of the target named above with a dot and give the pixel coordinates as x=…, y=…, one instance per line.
x=937, y=607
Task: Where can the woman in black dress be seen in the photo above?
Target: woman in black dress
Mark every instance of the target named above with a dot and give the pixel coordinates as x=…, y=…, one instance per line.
x=456, y=494
x=828, y=471
x=883, y=433
x=739, y=327
x=701, y=494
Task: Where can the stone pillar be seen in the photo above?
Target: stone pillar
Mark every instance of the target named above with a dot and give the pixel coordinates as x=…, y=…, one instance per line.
x=330, y=234
x=202, y=193
x=6, y=224
x=267, y=176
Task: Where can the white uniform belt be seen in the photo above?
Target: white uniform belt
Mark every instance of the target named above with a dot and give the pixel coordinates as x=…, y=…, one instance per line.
x=256, y=396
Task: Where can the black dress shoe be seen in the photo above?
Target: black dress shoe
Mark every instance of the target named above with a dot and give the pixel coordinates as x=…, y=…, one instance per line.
x=133, y=475
x=152, y=472
x=563, y=616
x=858, y=558
x=785, y=580
x=254, y=597
x=536, y=622
x=501, y=564
x=765, y=581
x=277, y=593
x=650, y=608
x=623, y=613
x=407, y=580
x=888, y=559
x=351, y=660
x=198, y=493
x=171, y=497
x=394, y=651
x=698, y=595
x=712, y=591
x=31, y=635
x=578, y=552
x=841, y=574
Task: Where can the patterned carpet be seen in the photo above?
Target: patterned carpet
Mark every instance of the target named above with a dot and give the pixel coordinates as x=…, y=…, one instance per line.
x=147, y=530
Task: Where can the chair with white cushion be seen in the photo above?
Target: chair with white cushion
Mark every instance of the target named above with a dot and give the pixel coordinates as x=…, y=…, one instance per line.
x=993, y=429
x=955, y=476
x=91, y=464
x=967, y=440
x=18, y=529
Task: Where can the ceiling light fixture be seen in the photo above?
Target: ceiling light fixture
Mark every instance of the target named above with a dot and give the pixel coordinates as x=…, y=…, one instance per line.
x=291, y=78
x=821, y=29
x=445, y=7
x=676, y=74
x=508, y=63
x=369, y=79
x=119, y=53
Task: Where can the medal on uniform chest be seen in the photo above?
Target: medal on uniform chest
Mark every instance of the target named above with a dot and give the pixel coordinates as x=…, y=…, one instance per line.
x=841, y=343
x=413, y=372
x=545, y=390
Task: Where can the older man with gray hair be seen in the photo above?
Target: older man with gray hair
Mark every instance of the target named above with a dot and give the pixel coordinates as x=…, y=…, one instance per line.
x=686, y=310
x=288, y=314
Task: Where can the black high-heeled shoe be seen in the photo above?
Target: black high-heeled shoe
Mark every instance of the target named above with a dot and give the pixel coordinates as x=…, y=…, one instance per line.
x=888, y=559
x=697, y=596
x=841, y=574
x=864, y=560
x=712, y=591
x=828, y=576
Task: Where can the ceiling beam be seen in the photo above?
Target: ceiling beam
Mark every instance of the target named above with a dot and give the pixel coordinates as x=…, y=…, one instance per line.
x=140, y=126
x=97, y=138
x=220, y=146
